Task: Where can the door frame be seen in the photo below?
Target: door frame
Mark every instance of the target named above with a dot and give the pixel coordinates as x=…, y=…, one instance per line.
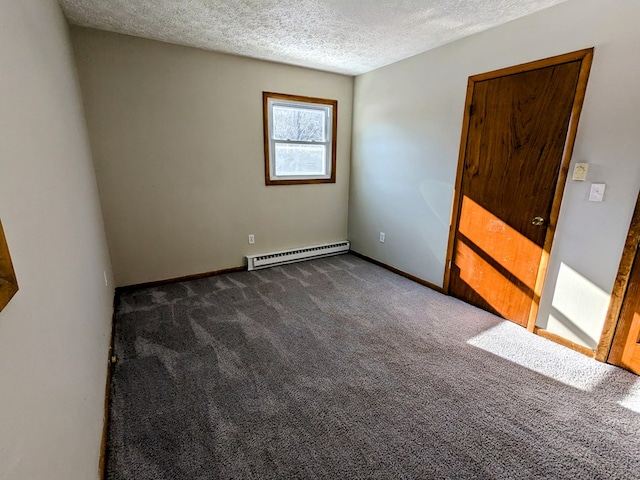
x=586, y=58
x=615, y=333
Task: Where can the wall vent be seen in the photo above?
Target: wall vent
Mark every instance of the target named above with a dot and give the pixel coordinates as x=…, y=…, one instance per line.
x=256, y=262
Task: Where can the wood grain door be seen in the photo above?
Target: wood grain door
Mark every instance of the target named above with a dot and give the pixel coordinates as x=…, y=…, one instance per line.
x=510, y=182
x=623, y=317
x=626, y=347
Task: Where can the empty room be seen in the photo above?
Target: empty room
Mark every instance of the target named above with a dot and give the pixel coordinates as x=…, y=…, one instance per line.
x=319, y=239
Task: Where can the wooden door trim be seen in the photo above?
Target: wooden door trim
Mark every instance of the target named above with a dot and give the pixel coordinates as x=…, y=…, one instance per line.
x=614, y=332
x=564, y=342
x=586, y=58
x=8, y=281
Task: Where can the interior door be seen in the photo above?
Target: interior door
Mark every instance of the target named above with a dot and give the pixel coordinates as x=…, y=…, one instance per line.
x=620, y=340
x=517, y=140
x=625, y=351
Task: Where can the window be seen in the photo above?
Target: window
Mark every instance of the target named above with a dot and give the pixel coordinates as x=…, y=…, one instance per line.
x=299, y=139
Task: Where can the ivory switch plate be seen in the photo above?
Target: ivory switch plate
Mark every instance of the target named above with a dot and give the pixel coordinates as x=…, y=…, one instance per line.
x=580, y=172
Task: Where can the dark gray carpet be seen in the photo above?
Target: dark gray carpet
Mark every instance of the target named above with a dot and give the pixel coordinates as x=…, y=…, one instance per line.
x=338, y=369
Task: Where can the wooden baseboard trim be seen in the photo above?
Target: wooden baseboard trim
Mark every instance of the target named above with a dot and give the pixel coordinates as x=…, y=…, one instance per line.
x=399, y=272
x=107, y=395
x=564, y=342
x=105, y=426
x=168, y=281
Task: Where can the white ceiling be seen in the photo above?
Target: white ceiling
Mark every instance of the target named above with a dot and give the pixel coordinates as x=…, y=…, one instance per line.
x=342, y=36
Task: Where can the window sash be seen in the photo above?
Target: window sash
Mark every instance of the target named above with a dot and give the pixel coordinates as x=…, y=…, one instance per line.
x=313, y=160
x=326, y=111
x=328, y=115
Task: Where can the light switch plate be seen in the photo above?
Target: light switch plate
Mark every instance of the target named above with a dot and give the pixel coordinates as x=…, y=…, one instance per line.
x=580, y=172
x=597, y=192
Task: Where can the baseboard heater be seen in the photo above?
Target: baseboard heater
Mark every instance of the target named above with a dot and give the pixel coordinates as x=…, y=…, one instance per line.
x=256, y=262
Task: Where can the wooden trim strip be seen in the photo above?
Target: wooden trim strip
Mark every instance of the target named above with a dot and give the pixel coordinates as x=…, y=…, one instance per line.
x=457, y=194
x=607, y=350
x=265, y=126
x=535, y=65
x=102, y=465
x=8, y=281
x=419, y=280
x=564, y=342
x=168, y=281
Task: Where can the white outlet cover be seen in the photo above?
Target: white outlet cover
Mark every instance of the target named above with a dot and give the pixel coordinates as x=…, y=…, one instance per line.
x=597, y=192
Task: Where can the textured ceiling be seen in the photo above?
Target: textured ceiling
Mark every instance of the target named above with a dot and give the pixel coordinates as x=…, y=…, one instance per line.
x=343, y=36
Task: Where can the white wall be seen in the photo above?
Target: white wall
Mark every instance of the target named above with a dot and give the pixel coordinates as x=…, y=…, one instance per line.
x=54, y=334
x=177, y=138
x=407, y=123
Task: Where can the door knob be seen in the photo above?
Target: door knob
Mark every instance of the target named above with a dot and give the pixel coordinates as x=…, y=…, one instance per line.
x=537, y=221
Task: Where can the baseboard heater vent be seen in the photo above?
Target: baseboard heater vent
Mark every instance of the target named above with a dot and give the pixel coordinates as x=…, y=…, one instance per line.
x=296, y=255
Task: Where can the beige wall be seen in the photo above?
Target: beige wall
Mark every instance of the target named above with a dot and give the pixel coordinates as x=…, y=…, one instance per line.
x=54, y=334
x=407, y=122
x=178, y=146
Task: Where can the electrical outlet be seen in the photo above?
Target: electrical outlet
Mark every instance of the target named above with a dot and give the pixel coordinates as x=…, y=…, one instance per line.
x=381, y=237
x=252, y=239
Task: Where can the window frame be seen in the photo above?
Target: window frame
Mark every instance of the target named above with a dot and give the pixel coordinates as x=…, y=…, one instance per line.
x=269, y=99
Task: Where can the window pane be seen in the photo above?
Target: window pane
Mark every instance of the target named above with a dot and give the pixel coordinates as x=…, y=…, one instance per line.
x=300, y=159
x=296, y=123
